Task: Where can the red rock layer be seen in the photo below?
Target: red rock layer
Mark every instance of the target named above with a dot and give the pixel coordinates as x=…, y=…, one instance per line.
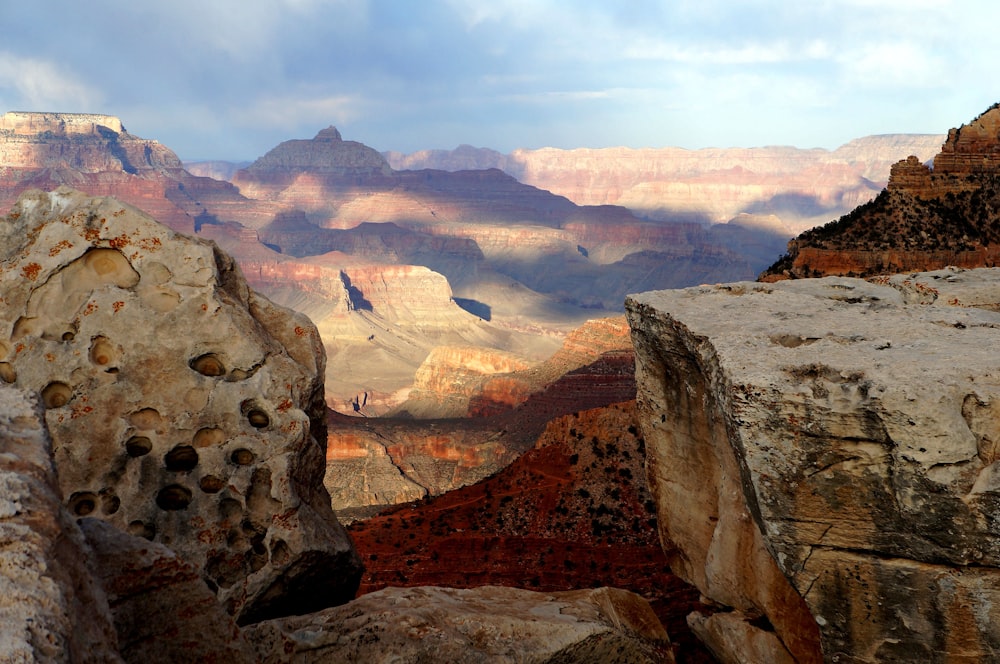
x=574, y=512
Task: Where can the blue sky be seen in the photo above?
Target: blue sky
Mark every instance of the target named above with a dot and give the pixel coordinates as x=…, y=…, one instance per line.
x=229, y=79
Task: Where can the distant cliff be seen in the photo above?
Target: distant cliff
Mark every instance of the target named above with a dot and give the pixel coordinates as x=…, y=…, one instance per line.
x=801, y=186
x=925, y=218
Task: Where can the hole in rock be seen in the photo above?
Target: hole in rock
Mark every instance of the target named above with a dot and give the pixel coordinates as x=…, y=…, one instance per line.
x=7, y=372
x=173, y=497
x=256, y=416
x=242, y=457
x=230, y=509
x=142, y=529
x=56, y=395
x=181, y=459
x=110, y=503
x=108, y=266
x=208, y=364
x=102, y=353
x=138, y=446
x=211, y=484
x=209, y=437
x=82, y=503
x=146, y=418
x=68, y=336
x=280, y=552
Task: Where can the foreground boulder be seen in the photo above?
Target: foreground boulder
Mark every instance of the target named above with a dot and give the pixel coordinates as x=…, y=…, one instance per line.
x=487, y=624
x=51, y=608
x=824, y=458
x=183, y=407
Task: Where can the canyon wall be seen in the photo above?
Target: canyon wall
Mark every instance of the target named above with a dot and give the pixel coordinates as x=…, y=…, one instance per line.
x=822, y=454
x=802, y=186
x=926, y=218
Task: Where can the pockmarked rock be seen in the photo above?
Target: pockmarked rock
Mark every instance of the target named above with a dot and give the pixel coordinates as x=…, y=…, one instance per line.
x=490, y=623
x=162, y=609
x=183, y=407
x=824, y=454
x=51, y=608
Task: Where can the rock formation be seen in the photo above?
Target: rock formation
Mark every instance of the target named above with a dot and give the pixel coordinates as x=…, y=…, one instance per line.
x=163, y=610
x=822, y=455
x=183, y=406
x=374, y=463
x=925, y=219
x=573, y=511
x=51, y=609
x=94, y=153
x=803, y=187
x=467, y=626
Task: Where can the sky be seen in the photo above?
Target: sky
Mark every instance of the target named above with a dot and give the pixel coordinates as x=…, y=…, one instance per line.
x=230, y=79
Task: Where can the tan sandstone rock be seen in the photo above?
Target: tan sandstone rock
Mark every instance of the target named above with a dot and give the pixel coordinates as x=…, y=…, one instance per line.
x=490, y=623
x=824, y=457
x=183, y=407
x=51, y=609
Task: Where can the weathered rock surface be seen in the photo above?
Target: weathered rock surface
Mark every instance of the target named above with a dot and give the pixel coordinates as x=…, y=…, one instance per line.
x=823, y=458
x=163, y=611
x=51, y=608
x=492, y=624
x=183, y=406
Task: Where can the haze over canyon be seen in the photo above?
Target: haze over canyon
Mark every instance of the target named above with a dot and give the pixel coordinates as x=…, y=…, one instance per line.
x=525, y=407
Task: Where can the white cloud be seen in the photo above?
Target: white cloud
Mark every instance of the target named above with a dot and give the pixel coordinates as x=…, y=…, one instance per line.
x=38, y=84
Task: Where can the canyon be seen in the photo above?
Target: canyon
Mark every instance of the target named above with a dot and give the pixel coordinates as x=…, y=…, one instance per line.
x=161, y=465
x=439, y=359
x=803, y=187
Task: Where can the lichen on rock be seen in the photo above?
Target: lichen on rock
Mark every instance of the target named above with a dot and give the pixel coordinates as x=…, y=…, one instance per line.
x=183, y=406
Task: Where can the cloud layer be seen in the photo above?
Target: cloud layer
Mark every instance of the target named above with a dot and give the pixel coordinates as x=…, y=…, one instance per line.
x=227, y=79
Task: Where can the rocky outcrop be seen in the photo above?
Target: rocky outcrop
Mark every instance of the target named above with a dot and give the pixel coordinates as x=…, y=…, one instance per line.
x=162, y=608
x=51, y=608
x=183, y=406
x=822, y=457
x=327, y=154
x=574, y=511
x=477, y=625
x=925, y=219
x=94, y=153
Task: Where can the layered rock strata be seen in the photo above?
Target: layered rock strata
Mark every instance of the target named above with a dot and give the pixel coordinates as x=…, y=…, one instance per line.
x=926, y=218
x=822, y=453
x=466, y=626
x=713, y=184
x=183, y=407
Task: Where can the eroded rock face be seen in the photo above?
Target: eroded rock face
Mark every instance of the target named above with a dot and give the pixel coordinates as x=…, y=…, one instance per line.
x=183, y=407
x=823, y=457
x=162, y=609
x=492, y=624
x=51, y=609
